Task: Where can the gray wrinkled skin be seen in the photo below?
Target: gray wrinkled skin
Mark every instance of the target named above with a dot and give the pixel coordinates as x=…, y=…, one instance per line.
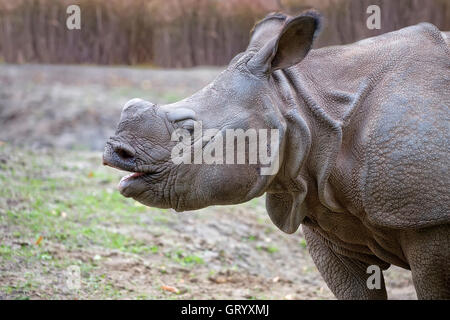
x=364, y=148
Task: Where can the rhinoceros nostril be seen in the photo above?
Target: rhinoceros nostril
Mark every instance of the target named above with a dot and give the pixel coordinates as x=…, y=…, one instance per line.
x=124, y=153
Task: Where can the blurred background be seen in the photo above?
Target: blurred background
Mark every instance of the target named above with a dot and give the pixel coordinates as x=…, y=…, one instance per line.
x=181, y=33
x=61, y=93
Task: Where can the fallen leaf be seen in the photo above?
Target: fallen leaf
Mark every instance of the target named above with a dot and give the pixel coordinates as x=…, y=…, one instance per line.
x=91, y=174
x=276, y=279
x=218, y=279
x=63, y=214
x=38, y=241
x=170, y=289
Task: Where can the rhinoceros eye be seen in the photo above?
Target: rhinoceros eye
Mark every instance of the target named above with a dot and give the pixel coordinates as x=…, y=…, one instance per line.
x=188, y=125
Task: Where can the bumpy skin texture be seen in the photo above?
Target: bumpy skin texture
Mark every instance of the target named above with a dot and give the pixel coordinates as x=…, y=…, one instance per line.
x=428, y=253
x=364, y=148
x=347, y=276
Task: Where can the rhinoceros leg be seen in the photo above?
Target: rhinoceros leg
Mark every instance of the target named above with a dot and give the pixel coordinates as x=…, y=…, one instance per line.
x=346, y=277
x=428, y=253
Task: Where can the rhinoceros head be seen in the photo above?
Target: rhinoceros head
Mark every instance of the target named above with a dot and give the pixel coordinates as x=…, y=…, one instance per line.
x=160, y=145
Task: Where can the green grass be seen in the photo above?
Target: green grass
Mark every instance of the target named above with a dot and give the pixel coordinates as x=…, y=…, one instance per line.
x=5, y=251
x=171, y=97
x=269, y=249
x=272, y=249
x=69, y=209
x=303, y=243
x=183, y=258
x=70, y=201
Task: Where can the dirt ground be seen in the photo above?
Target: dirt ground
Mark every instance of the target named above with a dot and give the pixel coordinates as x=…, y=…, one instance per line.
x=60, y=210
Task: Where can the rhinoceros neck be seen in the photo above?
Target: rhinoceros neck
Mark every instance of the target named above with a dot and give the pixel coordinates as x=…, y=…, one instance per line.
x=331, y=83
x=327, y=93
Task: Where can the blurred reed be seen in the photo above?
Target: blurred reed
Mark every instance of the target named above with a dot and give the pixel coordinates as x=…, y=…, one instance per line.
x=180, y=33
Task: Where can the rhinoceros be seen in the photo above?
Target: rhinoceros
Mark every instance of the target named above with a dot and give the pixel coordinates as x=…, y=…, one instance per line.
x=362, y=149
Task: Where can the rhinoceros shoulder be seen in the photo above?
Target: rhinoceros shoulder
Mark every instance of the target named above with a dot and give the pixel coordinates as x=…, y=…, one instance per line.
x=405, y=178
x=394, y=91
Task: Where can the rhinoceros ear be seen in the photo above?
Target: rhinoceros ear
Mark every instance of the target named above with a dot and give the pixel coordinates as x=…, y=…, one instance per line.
x=266, y=29
x=289, y=45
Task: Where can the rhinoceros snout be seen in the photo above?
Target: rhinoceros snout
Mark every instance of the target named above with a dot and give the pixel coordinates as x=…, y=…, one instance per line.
x=119, y=155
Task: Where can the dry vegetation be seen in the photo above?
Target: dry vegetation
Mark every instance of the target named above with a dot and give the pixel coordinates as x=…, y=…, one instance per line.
x=180, y=33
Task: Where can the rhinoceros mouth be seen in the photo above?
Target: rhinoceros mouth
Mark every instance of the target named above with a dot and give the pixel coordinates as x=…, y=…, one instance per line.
x=133, y=183
x=129, y=178
x=129, y=183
